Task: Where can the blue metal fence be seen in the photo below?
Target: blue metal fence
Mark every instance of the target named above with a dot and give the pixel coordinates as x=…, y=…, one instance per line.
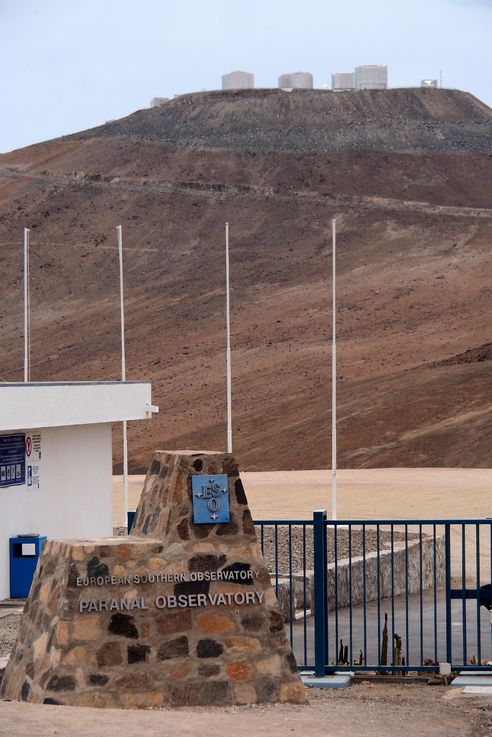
x=382, y=595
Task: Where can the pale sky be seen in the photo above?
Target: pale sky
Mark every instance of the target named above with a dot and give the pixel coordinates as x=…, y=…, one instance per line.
x=67, y=65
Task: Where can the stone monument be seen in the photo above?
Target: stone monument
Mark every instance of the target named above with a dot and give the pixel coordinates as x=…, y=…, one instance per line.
x=182, y=612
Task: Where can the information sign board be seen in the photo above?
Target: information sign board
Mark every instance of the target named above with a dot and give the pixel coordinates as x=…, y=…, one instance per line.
x=33, y=459
x=12, y=460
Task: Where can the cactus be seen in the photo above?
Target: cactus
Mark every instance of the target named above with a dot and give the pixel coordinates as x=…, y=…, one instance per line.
x=397, y=650
x=343, y=654
x=384, y=644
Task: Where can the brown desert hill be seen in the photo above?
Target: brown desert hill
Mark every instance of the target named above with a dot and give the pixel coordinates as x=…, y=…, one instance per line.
x=407, y=174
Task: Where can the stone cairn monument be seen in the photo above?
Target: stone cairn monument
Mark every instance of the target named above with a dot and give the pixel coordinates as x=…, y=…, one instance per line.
x=182, y=612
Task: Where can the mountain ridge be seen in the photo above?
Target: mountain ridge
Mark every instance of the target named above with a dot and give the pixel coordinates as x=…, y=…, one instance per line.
x=276, y=120
x=414, y=272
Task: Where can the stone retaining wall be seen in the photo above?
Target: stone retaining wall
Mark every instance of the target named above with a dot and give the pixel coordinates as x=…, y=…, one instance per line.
x=344, y=567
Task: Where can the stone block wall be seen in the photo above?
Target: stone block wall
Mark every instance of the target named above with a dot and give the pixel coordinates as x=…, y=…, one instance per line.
x=355, y=568
x=176, y=614
x=415, y=583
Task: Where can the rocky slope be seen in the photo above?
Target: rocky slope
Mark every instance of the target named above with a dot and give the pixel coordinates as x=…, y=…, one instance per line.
x=407, y=174
x=313, y=121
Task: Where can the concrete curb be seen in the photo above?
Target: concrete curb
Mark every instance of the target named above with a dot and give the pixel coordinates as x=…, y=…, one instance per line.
x=473, y=678
x=339, y=679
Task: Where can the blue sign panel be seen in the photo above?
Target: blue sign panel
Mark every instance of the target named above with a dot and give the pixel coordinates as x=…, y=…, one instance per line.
x=210, y=499
x=12, y=460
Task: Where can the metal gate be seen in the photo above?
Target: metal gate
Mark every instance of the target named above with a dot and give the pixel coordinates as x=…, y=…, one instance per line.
x=383, y=595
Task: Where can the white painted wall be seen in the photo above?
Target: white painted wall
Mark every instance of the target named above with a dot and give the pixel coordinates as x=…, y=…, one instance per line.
x=75, y=495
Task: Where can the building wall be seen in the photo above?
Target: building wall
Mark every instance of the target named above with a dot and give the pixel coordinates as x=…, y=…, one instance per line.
x=342, y=81
x=238, y=81
x=297, y=80
x=74, y=495
x=371, y=77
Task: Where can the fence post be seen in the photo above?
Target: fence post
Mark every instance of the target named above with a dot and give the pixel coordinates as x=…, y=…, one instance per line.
x=320, y=592
x=447, y=553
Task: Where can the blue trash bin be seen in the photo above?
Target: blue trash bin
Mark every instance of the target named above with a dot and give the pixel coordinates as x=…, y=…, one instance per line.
x=24, y=554
x=130, y=516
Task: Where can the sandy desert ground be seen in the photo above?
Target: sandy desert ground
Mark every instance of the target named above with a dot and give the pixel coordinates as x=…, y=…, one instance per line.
x=367, y=494
x=378, y=493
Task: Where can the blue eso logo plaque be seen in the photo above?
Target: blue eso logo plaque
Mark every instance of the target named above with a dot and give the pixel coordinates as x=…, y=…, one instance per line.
x=210, y=499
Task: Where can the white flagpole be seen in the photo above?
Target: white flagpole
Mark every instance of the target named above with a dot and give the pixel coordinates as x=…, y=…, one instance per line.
x=123, y=372
x=334, y=379
x=228, y=350
x=26, y=305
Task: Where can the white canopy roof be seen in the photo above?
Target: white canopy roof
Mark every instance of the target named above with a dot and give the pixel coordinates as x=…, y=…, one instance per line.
x=55, y=404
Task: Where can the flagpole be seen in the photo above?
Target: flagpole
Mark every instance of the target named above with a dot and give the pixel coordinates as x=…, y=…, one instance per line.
x=228, y=349
x=334, y=379
x=26, y=305
x=123, y=372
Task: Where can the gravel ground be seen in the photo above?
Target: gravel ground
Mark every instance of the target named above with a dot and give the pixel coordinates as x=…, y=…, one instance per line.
x=365, y=709
x=8, y=632
x=276, y=545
